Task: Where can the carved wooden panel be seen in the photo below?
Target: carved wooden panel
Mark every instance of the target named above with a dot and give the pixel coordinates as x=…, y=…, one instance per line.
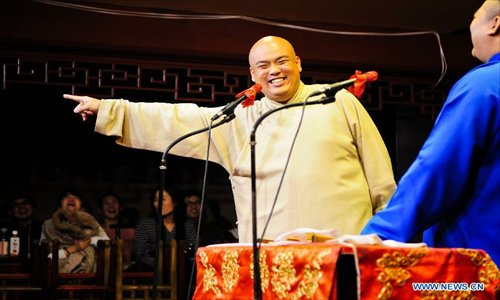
x=195, y=82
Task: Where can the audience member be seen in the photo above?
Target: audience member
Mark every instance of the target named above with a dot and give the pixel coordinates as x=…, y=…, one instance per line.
x=119, y=223
x=113, y=214
x=214, y=227
x=77, y=232
x=22, y=210
x=145, y=233
x=193, y=211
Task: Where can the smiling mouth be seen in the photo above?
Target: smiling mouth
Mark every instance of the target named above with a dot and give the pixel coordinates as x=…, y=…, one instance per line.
x=277, y=80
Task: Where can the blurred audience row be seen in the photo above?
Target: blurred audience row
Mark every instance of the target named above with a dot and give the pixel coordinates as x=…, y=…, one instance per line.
x=77, y=229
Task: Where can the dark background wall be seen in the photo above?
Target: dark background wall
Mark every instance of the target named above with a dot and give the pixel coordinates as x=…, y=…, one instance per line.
x=48, y=49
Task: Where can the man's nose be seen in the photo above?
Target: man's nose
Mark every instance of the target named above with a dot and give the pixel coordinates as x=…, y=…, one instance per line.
x=274, y=69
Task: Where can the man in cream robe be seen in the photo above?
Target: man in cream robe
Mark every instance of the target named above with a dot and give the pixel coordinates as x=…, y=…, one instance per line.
x=339, y=174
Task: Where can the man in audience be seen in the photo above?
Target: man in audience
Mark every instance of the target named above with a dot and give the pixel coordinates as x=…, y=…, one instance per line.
x=22, y=219
x=118, y=224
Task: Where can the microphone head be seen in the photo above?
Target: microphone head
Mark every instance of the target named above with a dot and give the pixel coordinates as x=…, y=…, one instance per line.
x=370, y=75
x=251, y=93
x=256, y=87
x=361, y=79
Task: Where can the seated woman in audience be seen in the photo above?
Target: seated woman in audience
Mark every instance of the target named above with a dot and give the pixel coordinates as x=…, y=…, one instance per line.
x=77, y=232
x=172, y=228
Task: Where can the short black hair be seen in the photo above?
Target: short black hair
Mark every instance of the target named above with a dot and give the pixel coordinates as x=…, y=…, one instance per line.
x=111, y=194
x=75, y=192
x=28, y=198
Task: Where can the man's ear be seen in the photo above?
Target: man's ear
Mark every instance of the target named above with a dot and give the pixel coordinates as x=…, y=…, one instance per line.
x=495, y=26
x=297, y=61
x=251, y=74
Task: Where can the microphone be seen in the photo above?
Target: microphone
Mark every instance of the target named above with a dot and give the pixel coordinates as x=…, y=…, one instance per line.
x=358, y=78
x=248, y=94
x=330, y=89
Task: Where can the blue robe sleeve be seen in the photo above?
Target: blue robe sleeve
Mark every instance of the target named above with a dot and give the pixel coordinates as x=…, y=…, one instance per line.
x=441, y=179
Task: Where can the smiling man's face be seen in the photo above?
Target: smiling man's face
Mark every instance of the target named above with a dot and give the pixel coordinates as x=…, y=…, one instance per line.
x=275, y=66
x=111, y=208
x=22, y=209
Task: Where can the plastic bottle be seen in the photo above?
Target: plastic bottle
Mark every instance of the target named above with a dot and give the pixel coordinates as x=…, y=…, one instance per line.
x=14, y=244
x=4, y=243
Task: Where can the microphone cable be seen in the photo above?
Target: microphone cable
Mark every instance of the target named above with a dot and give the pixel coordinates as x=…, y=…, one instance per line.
x=203, y=190
x=256, y=242
x=163, y=168
x=299, y=125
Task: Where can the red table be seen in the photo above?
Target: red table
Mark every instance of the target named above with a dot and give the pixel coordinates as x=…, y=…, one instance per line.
x=329, y=271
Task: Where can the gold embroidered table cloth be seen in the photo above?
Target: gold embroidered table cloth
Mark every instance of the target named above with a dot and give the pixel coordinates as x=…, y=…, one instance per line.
x=309, y=271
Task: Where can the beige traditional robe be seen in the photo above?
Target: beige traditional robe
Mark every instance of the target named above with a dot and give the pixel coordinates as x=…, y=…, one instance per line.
x=340, y=172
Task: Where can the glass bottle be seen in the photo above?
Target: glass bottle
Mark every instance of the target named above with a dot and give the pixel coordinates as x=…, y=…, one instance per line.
x=14, y=244
x=4, y=243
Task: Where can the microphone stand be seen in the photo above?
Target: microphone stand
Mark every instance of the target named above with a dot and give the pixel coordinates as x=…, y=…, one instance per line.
x=328, y=98
x=163, y=169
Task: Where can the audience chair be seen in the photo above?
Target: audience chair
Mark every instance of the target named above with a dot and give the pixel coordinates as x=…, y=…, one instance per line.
x=18, y=281
x=183, y=271
x=86, y=286
x=139, y=285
